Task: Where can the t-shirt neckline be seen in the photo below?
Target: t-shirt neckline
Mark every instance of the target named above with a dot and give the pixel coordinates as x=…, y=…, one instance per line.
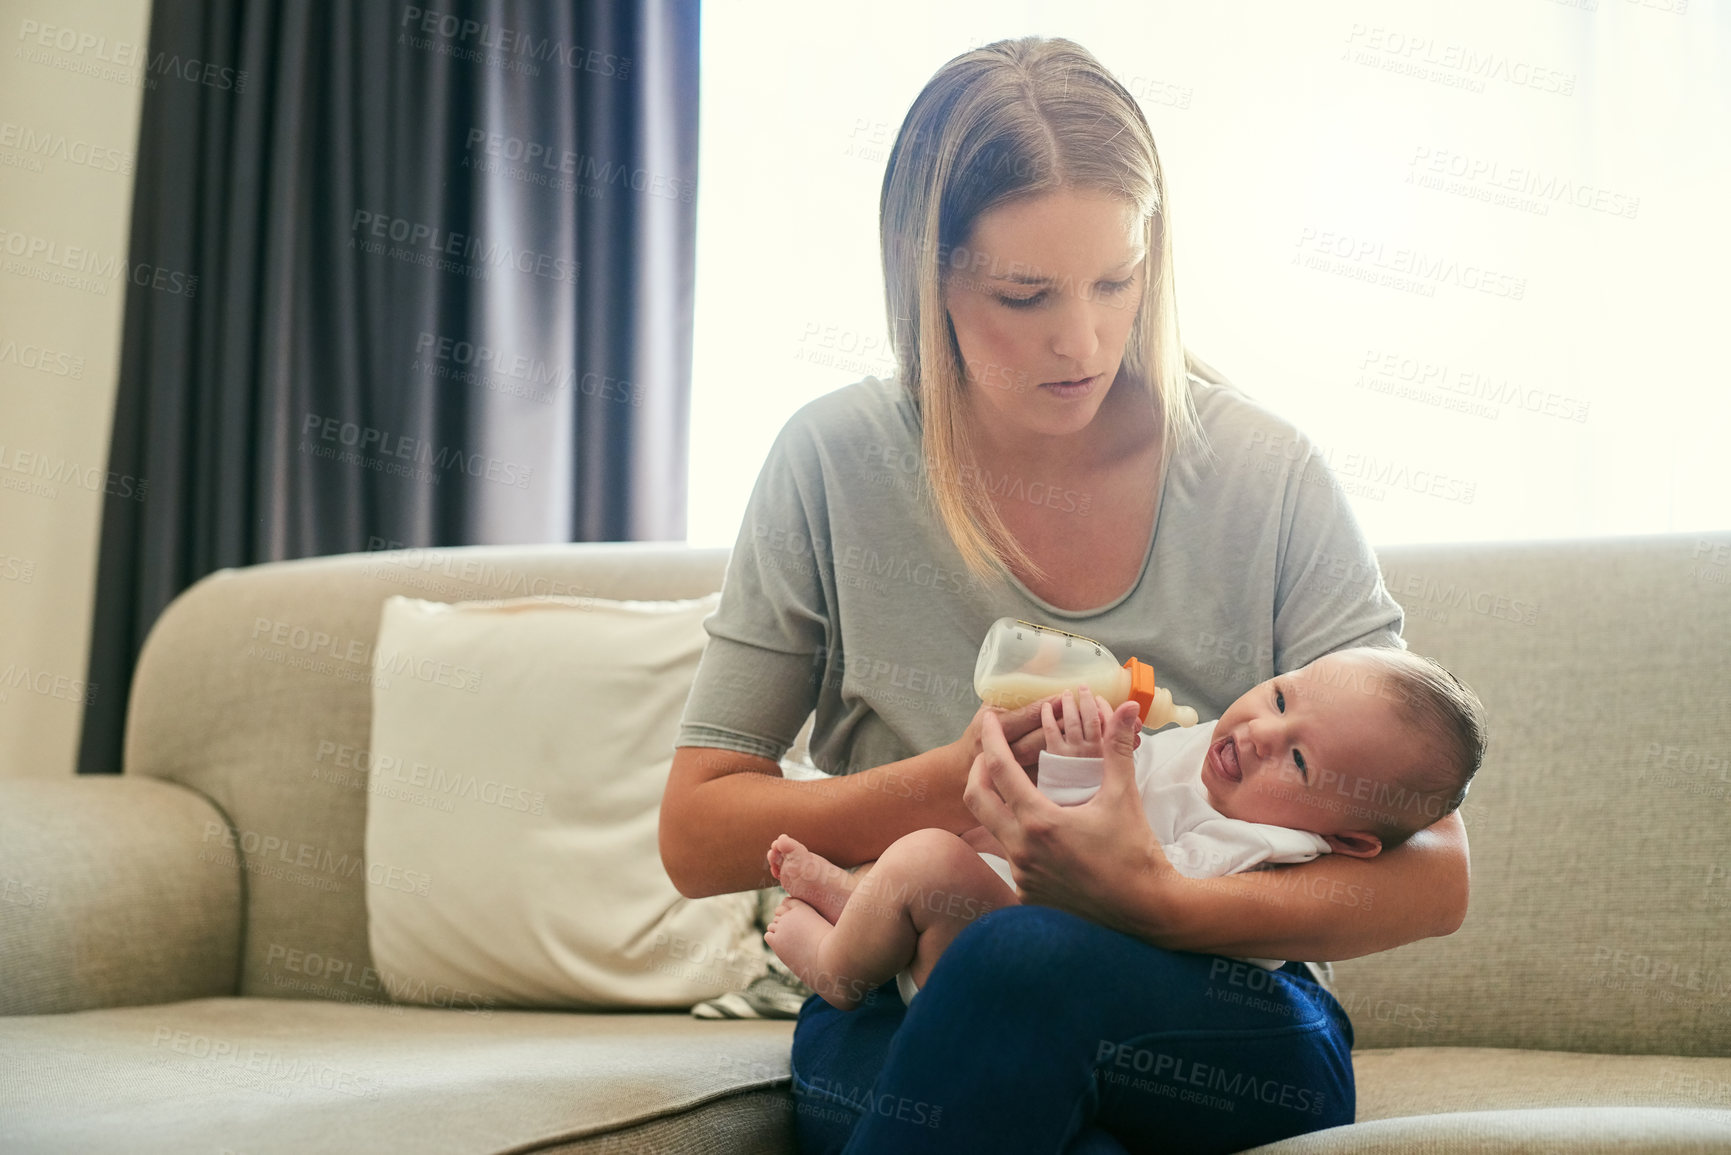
x=1147, y=560
x=1147, y=555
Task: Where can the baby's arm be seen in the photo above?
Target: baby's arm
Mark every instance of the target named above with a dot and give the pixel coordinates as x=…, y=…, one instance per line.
x=1067, y=738
x=1071, y=766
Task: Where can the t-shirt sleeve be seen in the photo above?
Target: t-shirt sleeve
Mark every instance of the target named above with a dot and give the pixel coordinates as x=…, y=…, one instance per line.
x=760, y=672
x=1329, y=593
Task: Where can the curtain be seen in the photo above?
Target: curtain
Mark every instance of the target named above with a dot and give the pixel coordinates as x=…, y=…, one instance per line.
x=399, y=275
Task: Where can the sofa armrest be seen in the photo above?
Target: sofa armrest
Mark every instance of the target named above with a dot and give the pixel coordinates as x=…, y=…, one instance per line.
x=110, y=895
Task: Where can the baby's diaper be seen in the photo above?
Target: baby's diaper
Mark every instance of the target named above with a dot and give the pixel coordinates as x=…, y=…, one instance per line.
x=1002, y=866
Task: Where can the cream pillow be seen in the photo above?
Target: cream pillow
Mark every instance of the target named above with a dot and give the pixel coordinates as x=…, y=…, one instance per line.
x=518, y=755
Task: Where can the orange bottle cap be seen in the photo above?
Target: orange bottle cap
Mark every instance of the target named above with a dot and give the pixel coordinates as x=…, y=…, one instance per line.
x=1141, y=686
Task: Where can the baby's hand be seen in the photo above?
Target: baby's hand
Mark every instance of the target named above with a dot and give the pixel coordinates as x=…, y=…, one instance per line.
x=1084, y=722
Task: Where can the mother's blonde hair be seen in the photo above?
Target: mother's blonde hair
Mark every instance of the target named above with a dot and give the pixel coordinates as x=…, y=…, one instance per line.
x=1004, y=122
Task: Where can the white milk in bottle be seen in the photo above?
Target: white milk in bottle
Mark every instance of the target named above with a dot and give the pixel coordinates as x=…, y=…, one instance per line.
x=1022, y=662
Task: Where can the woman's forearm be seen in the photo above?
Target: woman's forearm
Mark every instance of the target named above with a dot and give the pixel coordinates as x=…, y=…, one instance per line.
x=1333, y=907
x=719, y=814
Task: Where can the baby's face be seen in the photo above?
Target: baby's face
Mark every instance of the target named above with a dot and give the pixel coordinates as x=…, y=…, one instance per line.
x=1312, y=750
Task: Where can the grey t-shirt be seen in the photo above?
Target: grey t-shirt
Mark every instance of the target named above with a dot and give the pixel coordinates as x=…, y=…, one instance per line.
x=845, y=594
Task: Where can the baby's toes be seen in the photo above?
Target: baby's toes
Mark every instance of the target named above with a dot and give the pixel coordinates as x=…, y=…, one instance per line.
x=787, y=844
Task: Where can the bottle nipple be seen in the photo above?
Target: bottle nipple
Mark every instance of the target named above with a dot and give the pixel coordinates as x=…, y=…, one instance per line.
x=1155, y=702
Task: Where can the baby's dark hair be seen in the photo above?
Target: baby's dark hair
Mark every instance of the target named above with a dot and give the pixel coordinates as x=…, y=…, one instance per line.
x=1448, y=716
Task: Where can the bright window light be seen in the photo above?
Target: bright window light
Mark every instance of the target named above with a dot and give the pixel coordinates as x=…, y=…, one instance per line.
x=1477, y=252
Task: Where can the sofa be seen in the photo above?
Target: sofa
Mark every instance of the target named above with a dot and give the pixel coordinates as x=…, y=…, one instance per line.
x=1584, y=1005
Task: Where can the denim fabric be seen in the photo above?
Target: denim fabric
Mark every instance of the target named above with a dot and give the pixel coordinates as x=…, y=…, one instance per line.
x=1041, y=1032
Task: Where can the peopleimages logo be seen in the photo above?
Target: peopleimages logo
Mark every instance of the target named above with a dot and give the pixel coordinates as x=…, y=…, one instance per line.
x=51, y=472
x=563, y=161
x=1456, y=65
x=93, y=55
x=44, y=144
x=85, y=269
x=1402, y=267
x=360, y=652
x=465, y=39
x=368, y=227
x=474, y=363
x=1430, y=166
x=380, y=449
x=43, y=360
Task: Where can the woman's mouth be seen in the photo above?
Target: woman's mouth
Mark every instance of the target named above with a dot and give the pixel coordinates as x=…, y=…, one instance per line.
x=1223, y=756
x=1072, y=388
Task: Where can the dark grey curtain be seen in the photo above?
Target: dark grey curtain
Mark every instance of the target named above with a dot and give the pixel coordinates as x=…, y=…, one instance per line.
x=402, y=274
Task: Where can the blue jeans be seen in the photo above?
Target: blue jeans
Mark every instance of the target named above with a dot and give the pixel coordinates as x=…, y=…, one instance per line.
x=1039, y=1031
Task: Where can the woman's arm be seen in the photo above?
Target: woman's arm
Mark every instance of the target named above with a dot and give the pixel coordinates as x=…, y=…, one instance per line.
x=722, y=808
x=1101, y=861
x=1333, y=907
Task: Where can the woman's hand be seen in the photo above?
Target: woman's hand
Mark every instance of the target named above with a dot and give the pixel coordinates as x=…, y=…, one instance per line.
x=1020, y=728
x=1075, y=858
x=983, y=843
x=1021, y=731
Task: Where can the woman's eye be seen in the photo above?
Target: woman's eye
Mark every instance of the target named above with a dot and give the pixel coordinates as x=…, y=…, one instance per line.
x=1109, y=288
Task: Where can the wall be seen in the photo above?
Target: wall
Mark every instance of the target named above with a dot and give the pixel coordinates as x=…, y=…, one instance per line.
x=71, y=73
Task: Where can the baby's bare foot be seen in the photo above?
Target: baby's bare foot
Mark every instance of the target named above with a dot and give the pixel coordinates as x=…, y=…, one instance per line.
x=795, y=934
x=810, y=877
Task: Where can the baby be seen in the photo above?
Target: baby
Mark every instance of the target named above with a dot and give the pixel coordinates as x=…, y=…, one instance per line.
x=1354, y=753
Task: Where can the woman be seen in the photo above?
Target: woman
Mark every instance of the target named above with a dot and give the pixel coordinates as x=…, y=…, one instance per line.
x=1042, y=452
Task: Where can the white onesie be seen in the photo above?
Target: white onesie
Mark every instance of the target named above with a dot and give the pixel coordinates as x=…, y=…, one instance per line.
x=1199, y=841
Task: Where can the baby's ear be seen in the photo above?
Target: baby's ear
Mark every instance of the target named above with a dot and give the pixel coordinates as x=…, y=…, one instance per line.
x=1357, y=843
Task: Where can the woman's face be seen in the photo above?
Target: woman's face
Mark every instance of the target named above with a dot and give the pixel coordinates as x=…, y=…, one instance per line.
x=1042, y=297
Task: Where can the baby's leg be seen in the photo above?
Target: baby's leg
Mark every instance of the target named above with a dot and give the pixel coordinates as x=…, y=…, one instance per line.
x=959, y=887
x=812, y=878
x=922, y=891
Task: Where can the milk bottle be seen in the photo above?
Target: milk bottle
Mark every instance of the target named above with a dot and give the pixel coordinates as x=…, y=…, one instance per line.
x=1022, y=662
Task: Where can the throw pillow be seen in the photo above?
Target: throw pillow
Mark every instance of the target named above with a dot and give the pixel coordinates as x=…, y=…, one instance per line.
x=519, y=752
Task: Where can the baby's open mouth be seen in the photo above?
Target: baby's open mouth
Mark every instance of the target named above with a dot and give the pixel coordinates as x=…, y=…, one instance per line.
x=1225, y=755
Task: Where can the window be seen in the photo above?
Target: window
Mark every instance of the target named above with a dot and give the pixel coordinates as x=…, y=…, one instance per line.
x=1477, y=253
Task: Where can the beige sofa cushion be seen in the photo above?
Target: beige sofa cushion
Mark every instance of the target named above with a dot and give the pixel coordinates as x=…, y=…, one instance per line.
x=1438, y=1080
x=273, y=1075
x=1550, y=1131
x=286, y=1077
x=519, y=752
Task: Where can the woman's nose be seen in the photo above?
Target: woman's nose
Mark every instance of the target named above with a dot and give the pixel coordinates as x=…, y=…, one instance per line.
x=1076, y=338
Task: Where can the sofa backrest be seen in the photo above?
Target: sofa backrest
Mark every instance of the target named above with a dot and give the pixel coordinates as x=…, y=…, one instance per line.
x=1601, y=897
x=1600, y=823
x=254, y=688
